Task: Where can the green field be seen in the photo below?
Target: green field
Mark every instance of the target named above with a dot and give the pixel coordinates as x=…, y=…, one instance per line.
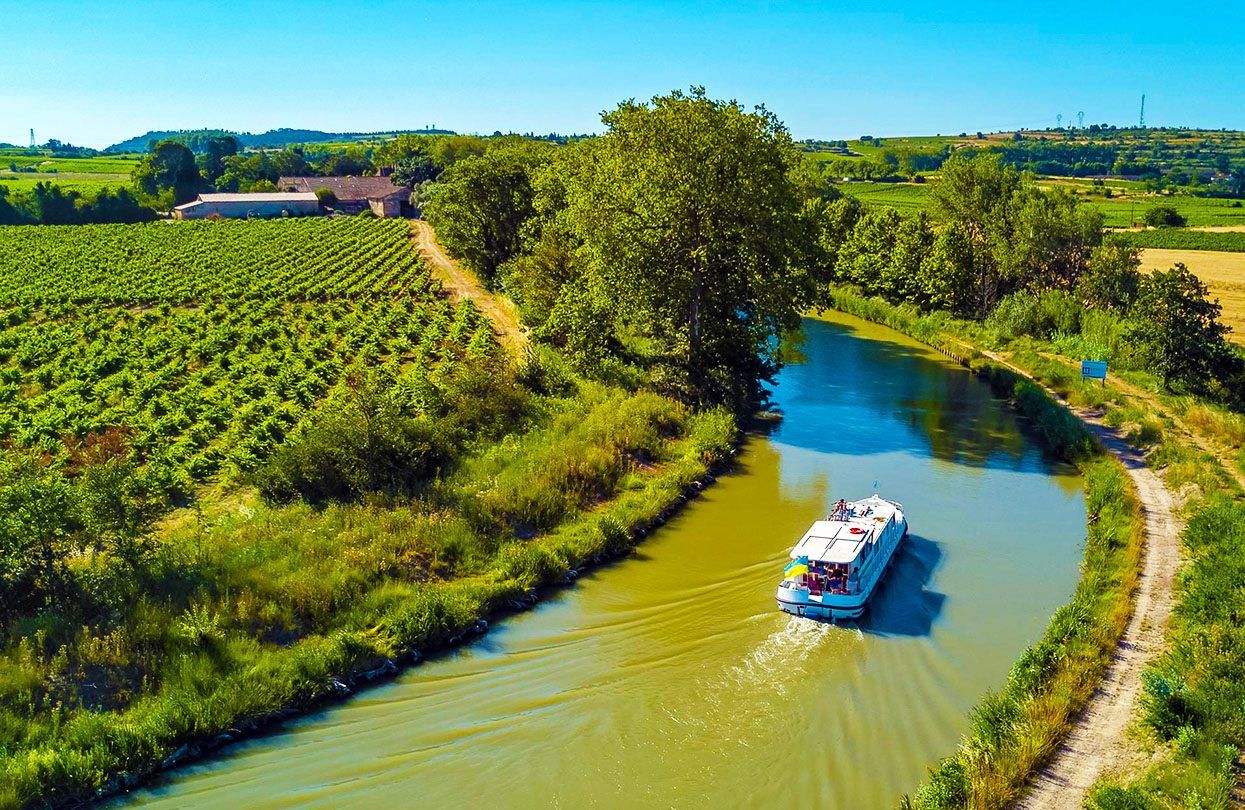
x=68, y=181
x=1197, y=211
x=1183, y=239
x=206, y=342
x=49, y=165
x=905, y=197
x=1119, y=212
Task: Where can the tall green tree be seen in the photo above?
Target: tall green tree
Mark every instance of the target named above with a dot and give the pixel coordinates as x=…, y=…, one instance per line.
x=1177, y=323
x=482, y=202
x=215, y=150
x=976, y=197
x=168, y=174
x=688, y=216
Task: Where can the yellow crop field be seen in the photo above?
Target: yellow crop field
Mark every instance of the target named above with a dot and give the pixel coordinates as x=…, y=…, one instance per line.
x=1223, y=272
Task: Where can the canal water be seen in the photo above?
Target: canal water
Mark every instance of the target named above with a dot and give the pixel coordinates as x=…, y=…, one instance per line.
x=670, y=680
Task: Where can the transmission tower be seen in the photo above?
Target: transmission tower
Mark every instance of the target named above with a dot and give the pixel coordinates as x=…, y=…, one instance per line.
x=32, y=138
x=1080, y=120
x=1059, y=121
x=1141, y=121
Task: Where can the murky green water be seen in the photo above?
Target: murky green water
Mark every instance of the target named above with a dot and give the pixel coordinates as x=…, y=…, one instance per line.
x=670, y=679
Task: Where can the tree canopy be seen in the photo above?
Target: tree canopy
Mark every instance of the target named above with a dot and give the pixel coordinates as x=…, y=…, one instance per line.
x=168, y=175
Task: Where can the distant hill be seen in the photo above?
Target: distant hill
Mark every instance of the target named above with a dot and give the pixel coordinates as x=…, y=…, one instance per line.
x=272, y=139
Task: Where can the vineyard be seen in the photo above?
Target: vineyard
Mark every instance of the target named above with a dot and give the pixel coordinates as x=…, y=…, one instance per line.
x=202, y=344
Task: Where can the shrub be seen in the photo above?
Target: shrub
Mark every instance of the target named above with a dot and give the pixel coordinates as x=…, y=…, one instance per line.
x=1167, y=704
x=1164, y=216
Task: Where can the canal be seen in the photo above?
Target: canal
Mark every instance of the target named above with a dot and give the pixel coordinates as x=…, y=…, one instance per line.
x=669, y=679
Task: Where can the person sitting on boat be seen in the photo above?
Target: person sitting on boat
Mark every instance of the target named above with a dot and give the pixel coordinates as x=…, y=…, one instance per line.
x=840, y=508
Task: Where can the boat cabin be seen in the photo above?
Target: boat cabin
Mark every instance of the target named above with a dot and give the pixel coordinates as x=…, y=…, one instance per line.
x=839, y=546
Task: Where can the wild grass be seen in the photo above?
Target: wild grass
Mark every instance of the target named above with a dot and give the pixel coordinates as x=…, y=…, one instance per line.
x=1194, y=698
x=253, y=609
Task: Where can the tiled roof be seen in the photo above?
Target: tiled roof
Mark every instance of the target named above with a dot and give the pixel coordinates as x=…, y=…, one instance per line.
x=346, y=188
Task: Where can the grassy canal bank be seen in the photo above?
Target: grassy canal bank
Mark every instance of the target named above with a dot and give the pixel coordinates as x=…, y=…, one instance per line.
x=1017, y=728
x=1189, y=725
x=255, y=611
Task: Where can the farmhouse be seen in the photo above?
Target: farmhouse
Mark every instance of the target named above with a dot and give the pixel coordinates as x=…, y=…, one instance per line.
x=355, y=194
x=242, y=206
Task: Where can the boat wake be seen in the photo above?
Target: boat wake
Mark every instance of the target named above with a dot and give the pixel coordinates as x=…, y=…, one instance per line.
x=777, y=662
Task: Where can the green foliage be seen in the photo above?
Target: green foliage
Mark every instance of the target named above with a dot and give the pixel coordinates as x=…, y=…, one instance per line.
x=1111, y=280
x=481, y=203
x=1178, y=324
x=168, y=175
x=51, y=204
x=1163, y=216
x=687, y=210
x=1183, y=239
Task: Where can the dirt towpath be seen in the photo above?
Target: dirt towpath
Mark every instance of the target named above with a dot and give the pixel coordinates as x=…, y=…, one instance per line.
x=462, y=283
x=1097, y=744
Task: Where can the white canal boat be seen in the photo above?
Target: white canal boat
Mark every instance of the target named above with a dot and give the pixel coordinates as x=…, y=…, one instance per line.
x=839, y=562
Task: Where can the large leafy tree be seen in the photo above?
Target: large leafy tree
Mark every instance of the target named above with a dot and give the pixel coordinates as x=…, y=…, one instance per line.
x=168, y=174
x=687, y=214
x=215, y=150
x=975, y=196
x=1177, y=323
x=482, y=202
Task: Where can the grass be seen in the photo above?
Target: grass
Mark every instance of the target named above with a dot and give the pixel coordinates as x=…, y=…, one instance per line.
x=1122, y=212
x=68, y=181
x=251, y=610
x=1018, y=727
x=95, y=165
x=1119, y=212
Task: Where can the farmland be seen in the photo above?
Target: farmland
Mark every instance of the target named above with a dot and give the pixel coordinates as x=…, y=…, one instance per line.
x=205, y=341
x=68, y=181
x=1184, y=239
x=904, y=197
x=1119, y=211
x=363, y=473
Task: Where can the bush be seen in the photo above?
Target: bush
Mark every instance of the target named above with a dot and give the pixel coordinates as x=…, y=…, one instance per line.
x=1164, y=216
x=1167, y=704
x=326, y=197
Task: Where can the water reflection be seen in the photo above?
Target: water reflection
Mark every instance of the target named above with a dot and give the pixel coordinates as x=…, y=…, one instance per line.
x=886, y=395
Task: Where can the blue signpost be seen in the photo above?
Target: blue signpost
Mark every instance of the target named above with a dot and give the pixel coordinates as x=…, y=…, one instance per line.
x=1094, y=370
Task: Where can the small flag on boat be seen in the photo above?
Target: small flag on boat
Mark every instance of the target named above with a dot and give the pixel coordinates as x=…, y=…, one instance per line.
x=798, y=567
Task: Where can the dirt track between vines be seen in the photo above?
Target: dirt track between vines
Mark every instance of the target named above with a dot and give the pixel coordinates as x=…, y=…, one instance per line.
x=460, y=283
x=1098, y=743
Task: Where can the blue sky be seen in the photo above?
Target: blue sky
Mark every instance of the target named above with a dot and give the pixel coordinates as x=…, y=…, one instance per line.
x=94, y=73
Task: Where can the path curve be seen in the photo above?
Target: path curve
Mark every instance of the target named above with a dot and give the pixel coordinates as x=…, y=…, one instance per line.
x=1097, y=744
x=461, y=283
